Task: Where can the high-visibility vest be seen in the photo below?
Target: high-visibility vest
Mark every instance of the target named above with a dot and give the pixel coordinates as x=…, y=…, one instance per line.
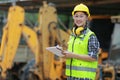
x=80, y=68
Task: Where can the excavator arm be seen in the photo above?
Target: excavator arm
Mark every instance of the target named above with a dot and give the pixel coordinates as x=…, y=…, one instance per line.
x=32, y=41
x=11, y=37
x=12, y=33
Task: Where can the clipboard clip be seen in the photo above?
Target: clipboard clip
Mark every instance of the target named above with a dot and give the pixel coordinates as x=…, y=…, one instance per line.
x=57, y=47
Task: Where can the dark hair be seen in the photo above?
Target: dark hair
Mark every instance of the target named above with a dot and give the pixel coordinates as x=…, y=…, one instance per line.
x=85, y=13
x=82, y=11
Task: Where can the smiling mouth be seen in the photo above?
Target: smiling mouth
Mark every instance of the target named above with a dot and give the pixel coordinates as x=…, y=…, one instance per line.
x=79, y=22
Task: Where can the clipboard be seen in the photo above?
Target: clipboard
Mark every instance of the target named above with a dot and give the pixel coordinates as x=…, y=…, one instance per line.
x=57, y=50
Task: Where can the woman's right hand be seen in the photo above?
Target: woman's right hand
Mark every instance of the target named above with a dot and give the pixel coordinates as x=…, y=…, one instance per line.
x=67, y=54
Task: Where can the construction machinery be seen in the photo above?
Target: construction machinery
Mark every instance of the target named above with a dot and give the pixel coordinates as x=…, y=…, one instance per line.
x=110, y=68
x=47, y=66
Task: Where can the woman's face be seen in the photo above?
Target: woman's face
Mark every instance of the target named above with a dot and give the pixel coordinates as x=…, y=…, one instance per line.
x=80, y=19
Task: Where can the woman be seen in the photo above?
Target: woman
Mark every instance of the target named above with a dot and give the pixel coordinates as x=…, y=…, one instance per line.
x=83, y=47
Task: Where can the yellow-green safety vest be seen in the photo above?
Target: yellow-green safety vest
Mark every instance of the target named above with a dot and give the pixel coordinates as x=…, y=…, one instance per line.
x=80, y=68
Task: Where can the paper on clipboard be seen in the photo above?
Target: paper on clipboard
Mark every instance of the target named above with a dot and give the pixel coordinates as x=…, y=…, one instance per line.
x=56, y=50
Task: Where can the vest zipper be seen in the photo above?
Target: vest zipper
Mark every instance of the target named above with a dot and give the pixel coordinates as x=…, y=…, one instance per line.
x=72, y=58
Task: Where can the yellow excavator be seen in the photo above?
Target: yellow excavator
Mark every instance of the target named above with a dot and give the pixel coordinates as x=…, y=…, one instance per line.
x=47, y=65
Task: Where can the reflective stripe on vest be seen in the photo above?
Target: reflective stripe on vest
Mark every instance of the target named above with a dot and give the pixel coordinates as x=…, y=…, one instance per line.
x=81, y=68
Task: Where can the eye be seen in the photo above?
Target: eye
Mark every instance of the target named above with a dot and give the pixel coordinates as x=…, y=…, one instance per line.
x=76, y=16
x=81, y=15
